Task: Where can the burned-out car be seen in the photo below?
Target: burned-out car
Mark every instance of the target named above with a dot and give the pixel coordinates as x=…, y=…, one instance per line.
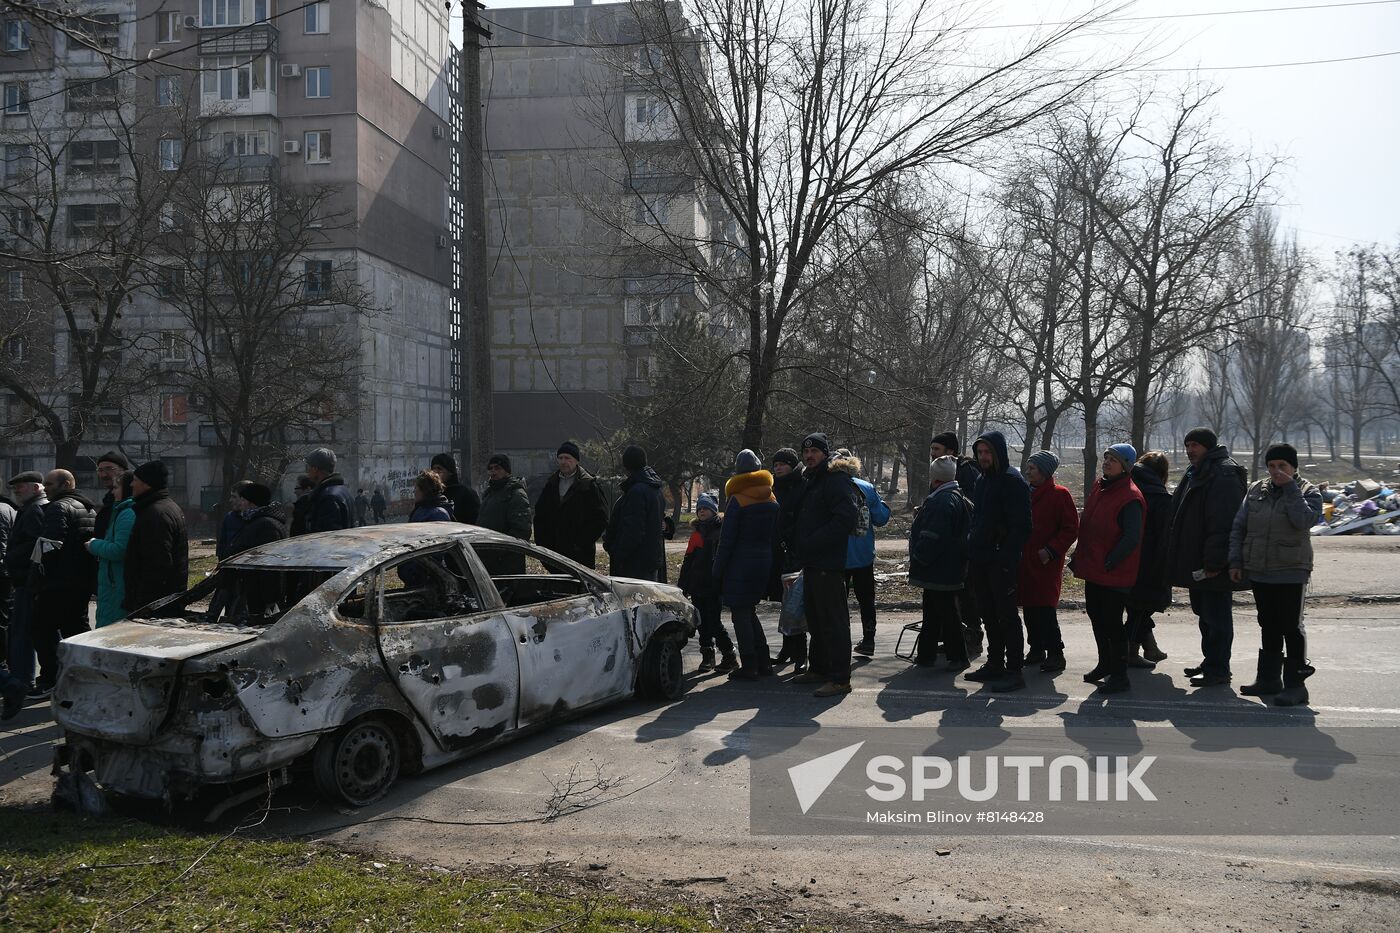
x=360, y=654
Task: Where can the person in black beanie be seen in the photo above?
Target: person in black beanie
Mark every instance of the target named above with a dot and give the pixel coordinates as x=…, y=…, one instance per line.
x=634, y=539
x=786, y=467
x=571, y=513
x=466, y=504
x=947, y=444
x=263, y=523
x=1198, y=548
x=110, y=468
x=158, y=551
x=828, y=515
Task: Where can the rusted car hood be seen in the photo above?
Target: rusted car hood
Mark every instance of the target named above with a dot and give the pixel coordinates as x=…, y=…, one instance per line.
x=168, y=639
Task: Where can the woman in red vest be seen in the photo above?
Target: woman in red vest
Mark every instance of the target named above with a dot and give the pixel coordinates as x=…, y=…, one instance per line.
x=1107, y=558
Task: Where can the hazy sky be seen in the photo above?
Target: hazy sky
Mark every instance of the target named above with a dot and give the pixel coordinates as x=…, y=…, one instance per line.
x=1338, y=125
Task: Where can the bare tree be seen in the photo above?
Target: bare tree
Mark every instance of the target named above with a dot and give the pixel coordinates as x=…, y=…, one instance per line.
x=1350, y=360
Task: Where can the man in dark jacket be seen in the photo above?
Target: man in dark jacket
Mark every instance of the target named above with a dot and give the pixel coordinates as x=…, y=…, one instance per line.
x=232, y=522
x=263, y=523
x=67, y=572
x=361, y=508
x=110, y=467
x=824, y=523
x=1001, y=523
x=505, y=507
x=788, y=486
x=466, y=504
x=8, y=514
x=938, y=566
x=158, y=551
x=1198, y=548
x=948, y=445
x=301, y=505
x=633, y=539
x=332, y=507
x=377, y=505
x=1151, y=593
x=28, y=490
x=571, y=513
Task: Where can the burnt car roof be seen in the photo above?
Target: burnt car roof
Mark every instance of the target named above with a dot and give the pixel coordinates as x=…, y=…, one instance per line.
x=352, y=546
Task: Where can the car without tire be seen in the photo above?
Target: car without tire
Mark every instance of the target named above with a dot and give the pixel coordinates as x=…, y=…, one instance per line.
x=357, y=656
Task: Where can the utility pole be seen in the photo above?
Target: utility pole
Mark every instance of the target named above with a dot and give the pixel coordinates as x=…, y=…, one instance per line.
x=477, y=430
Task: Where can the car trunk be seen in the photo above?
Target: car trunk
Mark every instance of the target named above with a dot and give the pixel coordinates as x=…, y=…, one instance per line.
x=118, y=682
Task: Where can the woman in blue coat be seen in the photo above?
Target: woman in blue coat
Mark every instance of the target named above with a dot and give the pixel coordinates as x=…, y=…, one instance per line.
x=744, y=557
x=110, y=551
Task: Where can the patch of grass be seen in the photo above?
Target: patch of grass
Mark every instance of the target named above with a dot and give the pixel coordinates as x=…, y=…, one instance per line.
x=199, y=566
x=62, y=872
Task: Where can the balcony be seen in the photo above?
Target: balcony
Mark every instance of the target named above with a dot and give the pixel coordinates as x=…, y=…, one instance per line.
x=257, y=39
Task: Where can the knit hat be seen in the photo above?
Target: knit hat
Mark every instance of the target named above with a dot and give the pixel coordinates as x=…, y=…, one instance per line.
x=948, y=439
x=154, y=473
x=633, y=458
x=1285, y=452
x=1125, y=453
x=943, y=470
x=787, y=455
x=747, y=462
x=570, y=448
x=706, y=501
x=257, y=493
x=117, y=457
x=28, y=476
x=500, y=460
x=446, y=461
x=817, y=440
x=1046, y=462
x=322, y=458
x=1203, y=436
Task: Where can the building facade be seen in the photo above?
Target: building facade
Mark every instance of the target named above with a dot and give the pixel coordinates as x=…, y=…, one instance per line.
x=353, y=97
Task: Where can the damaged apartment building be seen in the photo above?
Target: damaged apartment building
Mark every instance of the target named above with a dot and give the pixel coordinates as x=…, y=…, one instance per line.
x=581, y=170
x=353, y=96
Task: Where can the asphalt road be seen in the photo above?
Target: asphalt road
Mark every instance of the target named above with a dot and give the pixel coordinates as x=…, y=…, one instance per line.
x=685, y=768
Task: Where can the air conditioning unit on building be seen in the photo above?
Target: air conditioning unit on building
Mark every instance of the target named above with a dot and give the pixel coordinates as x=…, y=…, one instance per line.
x=291, y=146
x=438, y=131
x=191, y=22
x=442, y=241
x=291, y=71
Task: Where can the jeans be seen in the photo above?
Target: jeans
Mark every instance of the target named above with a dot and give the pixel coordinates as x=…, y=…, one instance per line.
x=1043, y=628
x=712, y=631
x=21, y=641
x=862, y=581
x=1280, y=610
x=58, y=614
x=829, y=622
x=753, y=644
x=942, y=621
x=1106, y=608
x=994, y=588
x=1217, y=624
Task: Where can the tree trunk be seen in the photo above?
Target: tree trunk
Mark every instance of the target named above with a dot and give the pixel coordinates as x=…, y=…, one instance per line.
x=893, y=488
x=1356, y=442
x=65, y=453
x=1091, y=445
x=917, y=472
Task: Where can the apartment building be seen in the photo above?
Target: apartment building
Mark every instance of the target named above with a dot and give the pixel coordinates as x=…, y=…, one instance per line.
x=353, y=94
x=577, y=178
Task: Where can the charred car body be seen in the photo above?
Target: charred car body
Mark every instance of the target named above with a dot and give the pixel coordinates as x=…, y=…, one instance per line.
x=361, y=653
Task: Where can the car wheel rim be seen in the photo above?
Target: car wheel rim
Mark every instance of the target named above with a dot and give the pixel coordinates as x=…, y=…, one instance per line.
x=671, y=667
x=366, y=763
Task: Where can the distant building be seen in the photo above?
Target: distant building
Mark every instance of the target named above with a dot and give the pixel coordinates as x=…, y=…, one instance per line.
x=355, y=95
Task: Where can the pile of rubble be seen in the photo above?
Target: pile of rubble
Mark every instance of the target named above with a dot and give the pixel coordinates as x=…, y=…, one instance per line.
x=1360, y=507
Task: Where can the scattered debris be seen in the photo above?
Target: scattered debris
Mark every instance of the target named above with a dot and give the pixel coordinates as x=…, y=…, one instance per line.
x=696, y=879
x=1364, y=506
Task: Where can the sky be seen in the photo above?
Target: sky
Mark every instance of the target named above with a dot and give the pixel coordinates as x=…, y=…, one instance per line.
x=1336, y=125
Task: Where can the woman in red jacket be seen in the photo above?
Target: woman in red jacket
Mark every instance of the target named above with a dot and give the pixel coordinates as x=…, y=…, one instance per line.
x=1107, y=559
x=1054, y=525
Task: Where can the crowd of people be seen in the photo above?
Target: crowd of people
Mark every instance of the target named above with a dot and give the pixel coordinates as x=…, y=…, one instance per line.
x=987, y=548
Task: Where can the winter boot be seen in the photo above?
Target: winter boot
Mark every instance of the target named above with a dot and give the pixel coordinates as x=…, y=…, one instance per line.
x=866, y=647
x=1150, y=651
x=1007, y=682
x=727, y=663
x=1295, y=692
x=1269, y=678
x=986, y=672
x=707, y=660
x=1098, y=672
x=1054, y=662
x=972, y=639
x=1139, y=660
x=1114, y=683
x=1036, y=656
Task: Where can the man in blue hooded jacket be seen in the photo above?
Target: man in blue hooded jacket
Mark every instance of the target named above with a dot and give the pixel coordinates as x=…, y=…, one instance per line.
x=1001, y=523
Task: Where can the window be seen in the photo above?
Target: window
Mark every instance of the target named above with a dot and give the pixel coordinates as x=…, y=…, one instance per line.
x=523, y=578
x=93, y=30
x=221, y=12
x=317, y=146
x=649, y=309
x=233, y=78
x=14, y=284
x=262, y=10
x=172, y=153
x=19, y=162
x=16, y=35
x=167, y=91
x=172, y=219
x=174, y=409
x=318, y=277
x=171, y=27
x=648, y=108
x=93, y=157
x=640, y=368
x=241, y=143
x=318, y=18
x=17, y=349
x=20, y=220
x=92, y=219
x=170, y=281
x=432, y=586
x=318, y=82
x=16, y=99
x=654, y=209
x=91, y=94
